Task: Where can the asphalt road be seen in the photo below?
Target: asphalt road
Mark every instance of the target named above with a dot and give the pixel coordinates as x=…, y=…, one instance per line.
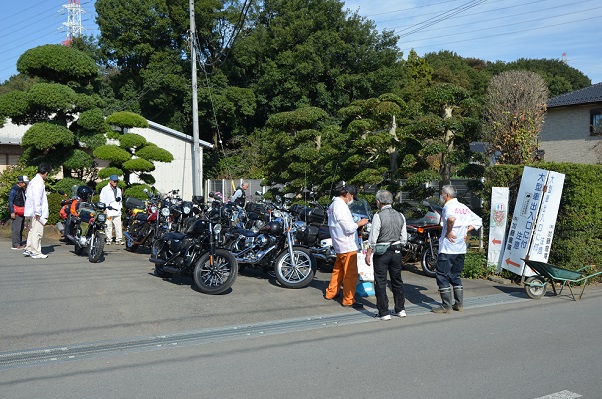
x=261, y=340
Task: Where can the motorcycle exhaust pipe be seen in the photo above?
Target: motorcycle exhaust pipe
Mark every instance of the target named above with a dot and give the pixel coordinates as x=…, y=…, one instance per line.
x=157, y=261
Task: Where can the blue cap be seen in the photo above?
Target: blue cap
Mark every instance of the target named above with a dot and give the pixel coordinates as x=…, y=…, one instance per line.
x=114, y=177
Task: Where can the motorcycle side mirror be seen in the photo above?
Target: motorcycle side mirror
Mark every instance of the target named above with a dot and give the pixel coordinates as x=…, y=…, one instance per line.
x=145, y=190
x=278, y=199
x=211, y=194
x=258, y=192
x=61, y=192
x=426, y=203
x=118, y=199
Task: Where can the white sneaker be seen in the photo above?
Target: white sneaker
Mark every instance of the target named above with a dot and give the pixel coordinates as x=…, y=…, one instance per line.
x=119, y=242
x=384, y=318
x=39, y=256
x=401, y=313
x=26, y=253
x=108, y=243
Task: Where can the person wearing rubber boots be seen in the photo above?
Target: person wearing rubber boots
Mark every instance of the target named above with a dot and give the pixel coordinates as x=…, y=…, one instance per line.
x=343, y=231
x=458, y=220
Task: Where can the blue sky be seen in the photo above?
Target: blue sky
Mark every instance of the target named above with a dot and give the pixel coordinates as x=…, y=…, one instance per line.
x=491, y=30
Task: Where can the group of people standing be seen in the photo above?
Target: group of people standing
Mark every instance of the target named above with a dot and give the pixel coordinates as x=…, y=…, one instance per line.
x=27, y=201
x=387, y=237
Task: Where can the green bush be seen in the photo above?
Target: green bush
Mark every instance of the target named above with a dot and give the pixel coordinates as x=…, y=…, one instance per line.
x=65, y=185
x=475, y=265
x=136, y=191
x=54, y=207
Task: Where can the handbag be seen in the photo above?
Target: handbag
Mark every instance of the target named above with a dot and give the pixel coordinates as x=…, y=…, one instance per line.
x=380, y=249
x=19, y=210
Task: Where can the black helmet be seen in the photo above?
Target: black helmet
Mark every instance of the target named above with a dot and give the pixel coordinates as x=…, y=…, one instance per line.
x=84, y=193
x=274, y=228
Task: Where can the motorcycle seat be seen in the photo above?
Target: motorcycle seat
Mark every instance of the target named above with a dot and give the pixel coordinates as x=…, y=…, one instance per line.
x=246, y=232
x=141, y=216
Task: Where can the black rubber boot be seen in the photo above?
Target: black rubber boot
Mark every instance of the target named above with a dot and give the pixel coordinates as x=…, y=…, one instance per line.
x=459, y=297
x=446, y=298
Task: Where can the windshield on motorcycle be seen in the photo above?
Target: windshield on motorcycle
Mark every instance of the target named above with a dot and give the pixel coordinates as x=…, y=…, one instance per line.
x=360, y=209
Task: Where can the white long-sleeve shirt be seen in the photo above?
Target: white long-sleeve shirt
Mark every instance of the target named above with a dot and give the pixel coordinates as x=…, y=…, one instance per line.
x=343, y=230
x=108, y=196
x=36, y=202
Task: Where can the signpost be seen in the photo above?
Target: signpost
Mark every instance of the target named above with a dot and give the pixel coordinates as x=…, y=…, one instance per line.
x=497, y=225
x=532, y=225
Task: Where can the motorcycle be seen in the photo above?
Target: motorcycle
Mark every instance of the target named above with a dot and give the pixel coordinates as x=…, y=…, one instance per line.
x=194, y=254
x=423, y=239
x=273, y=250
x=143, y=220
x=87, y=229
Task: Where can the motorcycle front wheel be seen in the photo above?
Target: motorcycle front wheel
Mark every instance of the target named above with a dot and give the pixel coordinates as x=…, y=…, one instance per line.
x=97, y=245
x=297, y=273
x=429, y=260
x=156, y=251
x=214, y=279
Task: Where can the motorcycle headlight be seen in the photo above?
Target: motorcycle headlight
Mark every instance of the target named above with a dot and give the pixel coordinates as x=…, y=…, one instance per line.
x=277, y=213
x=186, y=209
x=217, y=228
x=165, y=212
x=153, y=209
x=102, y=217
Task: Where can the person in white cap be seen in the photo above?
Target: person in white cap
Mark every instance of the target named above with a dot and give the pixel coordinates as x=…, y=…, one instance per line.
x=110, y=195
x=16, y=206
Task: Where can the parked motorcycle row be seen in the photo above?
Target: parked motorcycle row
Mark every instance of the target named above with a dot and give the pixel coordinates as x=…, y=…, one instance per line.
x=211, y=242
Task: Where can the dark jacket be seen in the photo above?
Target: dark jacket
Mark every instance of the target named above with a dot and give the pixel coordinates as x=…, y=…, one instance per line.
x=16, y=196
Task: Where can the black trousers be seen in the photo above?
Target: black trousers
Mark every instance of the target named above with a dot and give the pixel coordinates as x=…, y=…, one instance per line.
x=17, y=230
x=389, y=262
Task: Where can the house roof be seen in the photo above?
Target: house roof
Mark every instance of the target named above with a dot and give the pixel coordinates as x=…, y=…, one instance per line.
x=591, y=94
x=177, y=134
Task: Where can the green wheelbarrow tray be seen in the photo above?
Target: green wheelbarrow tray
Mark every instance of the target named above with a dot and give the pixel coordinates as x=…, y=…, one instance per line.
x=535, y=286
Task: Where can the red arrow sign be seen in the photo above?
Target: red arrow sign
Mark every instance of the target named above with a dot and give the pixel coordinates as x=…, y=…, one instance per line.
x=509, y=262
x=496, y=242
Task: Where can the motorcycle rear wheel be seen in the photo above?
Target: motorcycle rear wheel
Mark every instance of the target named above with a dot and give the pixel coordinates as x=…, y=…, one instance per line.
x=97, y=244
x=296, y=274
x=216, y=278
x=429, y=260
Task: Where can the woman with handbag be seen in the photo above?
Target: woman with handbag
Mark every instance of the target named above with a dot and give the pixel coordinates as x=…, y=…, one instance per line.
x=16, y=206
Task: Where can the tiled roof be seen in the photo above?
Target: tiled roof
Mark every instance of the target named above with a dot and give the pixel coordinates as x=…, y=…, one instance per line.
x=591, y=94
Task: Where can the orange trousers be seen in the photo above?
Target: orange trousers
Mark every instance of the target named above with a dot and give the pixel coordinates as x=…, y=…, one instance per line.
x=344, y=272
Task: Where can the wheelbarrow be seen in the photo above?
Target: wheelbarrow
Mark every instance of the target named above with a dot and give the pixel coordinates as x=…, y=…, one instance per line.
x=536, y=285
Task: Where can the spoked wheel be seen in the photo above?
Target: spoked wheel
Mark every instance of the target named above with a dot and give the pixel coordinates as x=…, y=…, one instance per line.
x=429, y=260
x=97, y=245
x=297, y=273
x=535, y=287
x=215, y=277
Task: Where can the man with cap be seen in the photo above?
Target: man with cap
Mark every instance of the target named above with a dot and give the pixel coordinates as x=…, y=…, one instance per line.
x=16, y=206
x=343, y=231
x=110, y=195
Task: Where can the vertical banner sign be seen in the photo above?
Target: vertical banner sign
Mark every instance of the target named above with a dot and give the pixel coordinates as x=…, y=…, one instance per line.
x=527, y=224
x=497, y=225
x=546, y=219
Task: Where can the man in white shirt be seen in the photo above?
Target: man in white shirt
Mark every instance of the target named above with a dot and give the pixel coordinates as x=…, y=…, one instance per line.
x=343, y=231
x=458, y=220
x=36, y=210
x=110, y=195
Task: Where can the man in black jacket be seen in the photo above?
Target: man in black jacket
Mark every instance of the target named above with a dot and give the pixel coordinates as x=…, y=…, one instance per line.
x=16, y=206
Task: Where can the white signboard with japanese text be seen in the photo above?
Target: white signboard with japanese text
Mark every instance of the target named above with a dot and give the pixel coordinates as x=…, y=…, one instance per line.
x=497, y=225
x=527, y=224
x=546, y=219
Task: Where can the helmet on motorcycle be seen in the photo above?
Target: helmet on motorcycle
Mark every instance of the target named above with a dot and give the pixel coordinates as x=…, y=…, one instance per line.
x=84, y=193
x=274, y=228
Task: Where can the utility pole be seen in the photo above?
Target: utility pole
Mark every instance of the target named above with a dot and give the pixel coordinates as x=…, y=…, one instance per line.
x=196, y=149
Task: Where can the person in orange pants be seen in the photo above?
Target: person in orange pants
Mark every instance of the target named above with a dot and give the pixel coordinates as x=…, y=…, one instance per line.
x=343, y=231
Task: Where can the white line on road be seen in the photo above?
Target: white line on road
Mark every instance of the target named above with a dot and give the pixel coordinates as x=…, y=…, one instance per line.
x=561, y=395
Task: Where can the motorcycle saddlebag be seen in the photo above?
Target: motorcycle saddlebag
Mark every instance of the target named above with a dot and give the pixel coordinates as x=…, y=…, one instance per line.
x=308, y=236
x=133, y=203
x=85, y=214
x=316, y=215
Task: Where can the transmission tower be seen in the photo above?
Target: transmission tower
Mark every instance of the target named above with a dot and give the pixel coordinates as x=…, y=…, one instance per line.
x=74, y=20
